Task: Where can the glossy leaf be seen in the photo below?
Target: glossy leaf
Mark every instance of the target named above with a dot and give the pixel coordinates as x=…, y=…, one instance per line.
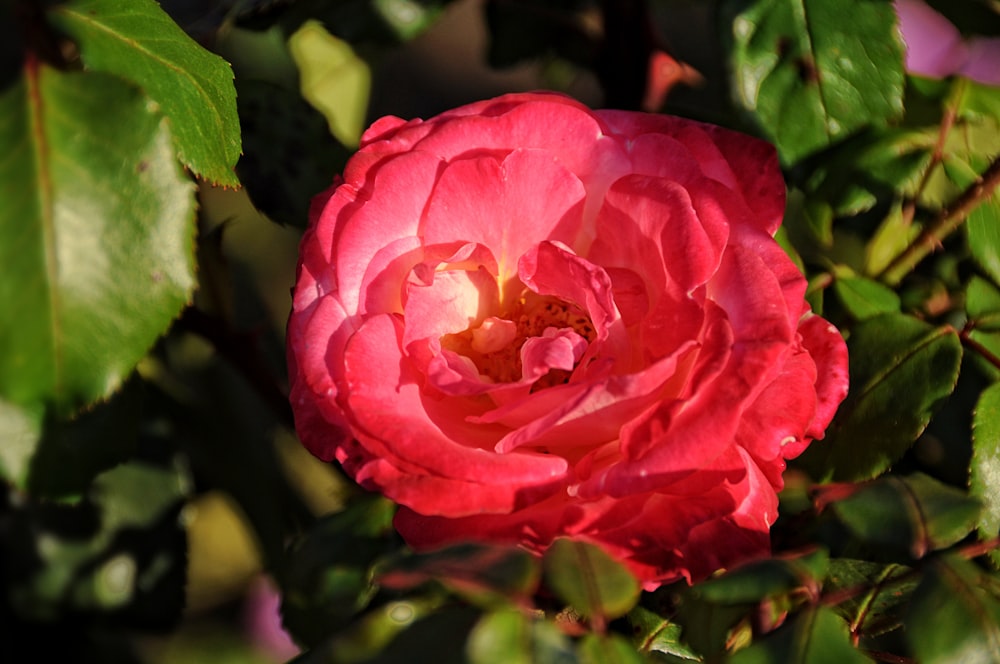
x=952, y=618
x=511, y=637
x=138, y=41
x=96, y=236
x=915, y=514
x=20, y=431
x=876, y=594
x=862, y=297
x=589, y=580
x=480, y=572
x=814, y=71
x=815, y=635
x=901, y=369
x=984, y=480
x=760, y=579
x=333, y=79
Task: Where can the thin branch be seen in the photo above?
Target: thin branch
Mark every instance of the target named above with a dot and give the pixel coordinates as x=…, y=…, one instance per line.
x=983, y=351
x=943, y=224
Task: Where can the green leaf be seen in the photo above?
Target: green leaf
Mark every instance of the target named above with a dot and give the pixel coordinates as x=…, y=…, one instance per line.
x=885, y=589
x=757, y=580
x=511, y=637
x=138, y=41
x=20, y=431
x=333, y=79
x=589, y=580
x=982, y=230
x=893, y=236
x=654, y=633
x=913, y=515
x=330, y=571
x=984, y=480
x=607, y=649
x=951, y=618
x=816, y=635
x=862, y=297
x=901, y=370
x=815, y=71
x=119, y=553
x=96, y=236
x=482, y=573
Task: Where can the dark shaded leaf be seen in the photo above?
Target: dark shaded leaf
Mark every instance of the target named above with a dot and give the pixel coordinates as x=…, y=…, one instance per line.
x=815, y=635
x=757, y=580
x=911, y=515
x=607, y=649
x=881, y=592
x=901, y=369
x=483, y=573
x=951, y=618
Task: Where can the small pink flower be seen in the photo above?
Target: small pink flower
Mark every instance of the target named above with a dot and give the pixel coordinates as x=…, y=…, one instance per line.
x=523, y=320
x=936, y=49
x=262, y=622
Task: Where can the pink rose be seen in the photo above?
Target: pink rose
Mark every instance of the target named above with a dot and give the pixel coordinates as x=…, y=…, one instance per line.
x=523, y=319
x=936, y=49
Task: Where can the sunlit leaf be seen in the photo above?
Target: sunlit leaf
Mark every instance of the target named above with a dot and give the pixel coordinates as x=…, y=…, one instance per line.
x=984, y=480
x=20, y=431
x=815, y=71
x=901, y=369
x=511, y=637
x=891, y=239
x=653, y=633
x=862, y=297
x=877, y=592
x=96, y=236
x=982, y=230
x=589, y=580
x=333, y=79
x=138, y=41
x=914, y=514
x=951, y=619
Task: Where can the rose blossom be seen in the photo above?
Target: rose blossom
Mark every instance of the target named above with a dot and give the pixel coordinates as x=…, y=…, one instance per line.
x=523, y=320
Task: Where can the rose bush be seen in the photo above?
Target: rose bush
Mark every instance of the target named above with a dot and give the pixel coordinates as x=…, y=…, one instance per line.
x=523, y=319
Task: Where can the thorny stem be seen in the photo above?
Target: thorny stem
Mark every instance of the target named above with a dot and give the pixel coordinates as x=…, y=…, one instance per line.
x=947, y=122
x=949, y=219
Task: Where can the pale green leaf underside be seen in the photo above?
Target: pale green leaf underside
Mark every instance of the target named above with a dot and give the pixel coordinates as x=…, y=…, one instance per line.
x=96, y=236
x=138, y=41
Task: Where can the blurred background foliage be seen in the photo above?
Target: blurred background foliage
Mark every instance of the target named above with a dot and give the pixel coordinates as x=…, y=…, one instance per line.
x=156, y=167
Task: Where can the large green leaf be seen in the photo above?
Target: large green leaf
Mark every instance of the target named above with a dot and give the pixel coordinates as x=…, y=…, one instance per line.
x=138, y=41
x=983, y=232
x=901, y=369
x=984, y=480
x=951, y=618
x=814, y=71
x=589, y=580
x=96, y=235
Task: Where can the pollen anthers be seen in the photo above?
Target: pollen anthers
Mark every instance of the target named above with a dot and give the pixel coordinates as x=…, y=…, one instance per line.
x=495, y=345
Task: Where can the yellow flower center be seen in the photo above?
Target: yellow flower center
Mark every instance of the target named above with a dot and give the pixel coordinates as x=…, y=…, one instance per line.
x=495, y=345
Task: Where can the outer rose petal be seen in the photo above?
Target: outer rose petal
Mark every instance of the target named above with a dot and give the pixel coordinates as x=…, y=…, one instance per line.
x=663, y=362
